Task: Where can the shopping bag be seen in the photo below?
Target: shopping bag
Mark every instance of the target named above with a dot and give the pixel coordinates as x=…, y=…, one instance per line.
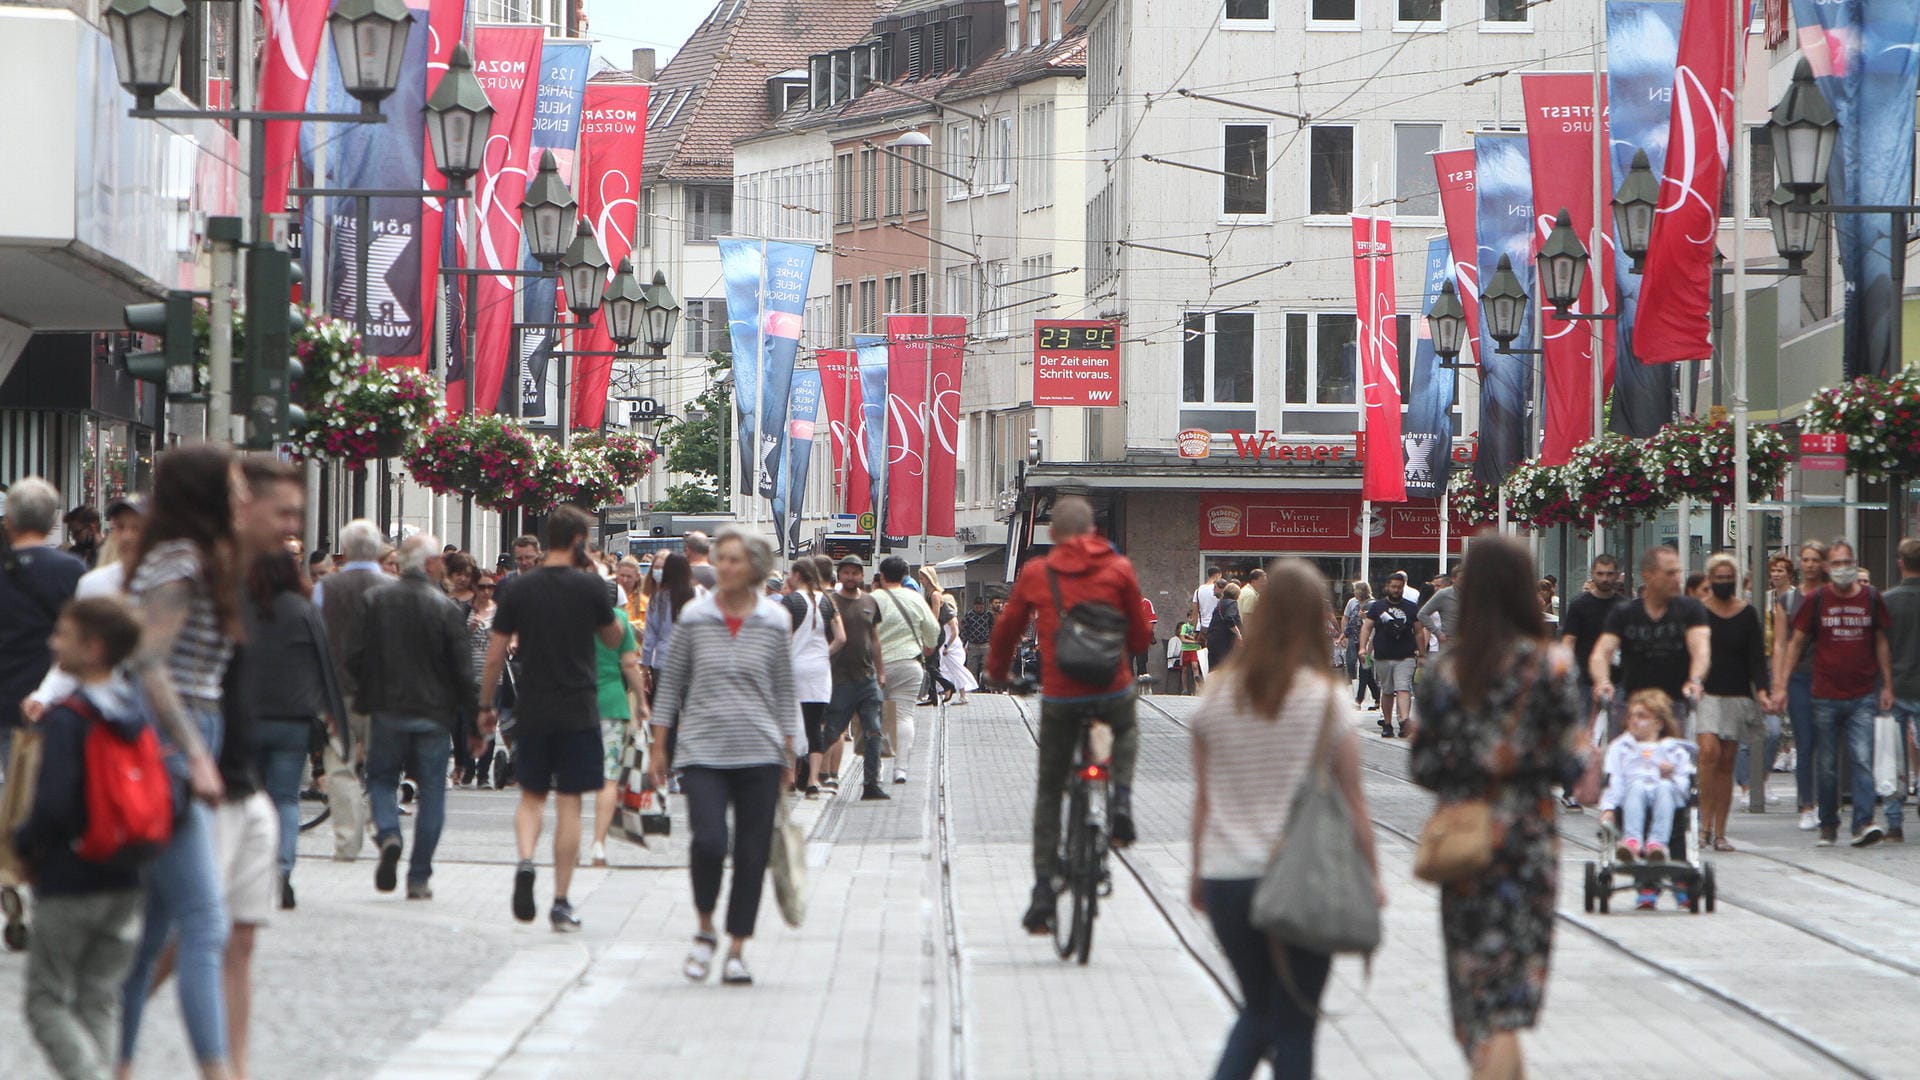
x=16, y=801
x=642, y=811
x=1888, y=755
x=788, y=862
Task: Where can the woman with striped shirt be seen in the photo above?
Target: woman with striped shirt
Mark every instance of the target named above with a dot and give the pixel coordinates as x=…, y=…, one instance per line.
x=1254, y=734
x=727, y=693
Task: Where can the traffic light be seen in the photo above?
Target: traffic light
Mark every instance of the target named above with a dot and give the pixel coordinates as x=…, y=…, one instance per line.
x=175, y=366
x=268, y=371
x=1034, y=446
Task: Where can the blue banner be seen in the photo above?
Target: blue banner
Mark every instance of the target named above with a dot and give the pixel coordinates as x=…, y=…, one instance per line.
x=790, y=492
x=1867, y=69
x=870, y=353
x=556, y=127
x=1643, y=45
x=389, y=155
x=1428, y=434
x=766, y=284
x=1503, y=193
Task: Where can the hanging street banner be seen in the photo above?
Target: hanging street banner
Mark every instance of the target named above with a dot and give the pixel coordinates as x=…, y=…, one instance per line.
x=790, y=487
x=1454, y=170
x=924, y=359
x=292, y=30
x=1076, y=362
x=1643, y=42
x=388, y=155
x=1385, y=478
x=1679, y=264
x=1560, y=134
x=766, y=284
x=613, y=143
x=444, y=20
x=1428, y=440
x=556, y=127
x=1503, y=216
x=1866, y=58
x=870, y=354
x=840, y=394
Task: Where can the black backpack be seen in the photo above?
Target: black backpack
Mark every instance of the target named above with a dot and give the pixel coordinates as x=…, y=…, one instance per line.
x=1091, y=642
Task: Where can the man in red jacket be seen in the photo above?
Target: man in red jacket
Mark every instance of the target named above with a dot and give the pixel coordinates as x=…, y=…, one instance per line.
x=1089, y=570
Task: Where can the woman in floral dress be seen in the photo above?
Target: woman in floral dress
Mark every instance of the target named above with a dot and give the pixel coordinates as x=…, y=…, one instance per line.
x=1501, y=721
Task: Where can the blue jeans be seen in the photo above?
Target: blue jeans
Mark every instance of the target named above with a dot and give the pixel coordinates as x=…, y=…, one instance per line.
x=397, y=741
x=1771, y=751
x=1656, y=798
x=1800, y=714
x=280, y=753
x=184, y=897
x=1272, y=1026
x=863, y=698
x=1906, y=711
x=1856, y=714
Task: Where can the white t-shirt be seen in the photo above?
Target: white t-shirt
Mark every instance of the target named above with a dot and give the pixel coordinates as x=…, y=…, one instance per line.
x=1255, y=763
x=1204, y=599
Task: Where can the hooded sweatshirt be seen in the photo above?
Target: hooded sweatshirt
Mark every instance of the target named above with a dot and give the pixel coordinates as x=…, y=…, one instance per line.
x=1089, y=571
x=58, y=817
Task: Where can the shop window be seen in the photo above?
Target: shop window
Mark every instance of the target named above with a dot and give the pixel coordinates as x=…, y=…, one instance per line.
x=1218, y=359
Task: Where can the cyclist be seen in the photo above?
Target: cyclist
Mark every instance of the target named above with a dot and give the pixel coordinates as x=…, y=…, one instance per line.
x=1087, y=570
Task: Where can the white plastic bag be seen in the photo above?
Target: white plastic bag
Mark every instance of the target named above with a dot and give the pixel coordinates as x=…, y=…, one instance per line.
x=1888, y=755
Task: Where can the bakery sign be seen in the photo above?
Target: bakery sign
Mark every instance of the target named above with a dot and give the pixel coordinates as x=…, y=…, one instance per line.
x=1266, y=445
x=1324, y=522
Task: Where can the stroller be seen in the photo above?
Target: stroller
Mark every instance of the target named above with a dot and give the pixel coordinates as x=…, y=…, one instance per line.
x=1685, y=869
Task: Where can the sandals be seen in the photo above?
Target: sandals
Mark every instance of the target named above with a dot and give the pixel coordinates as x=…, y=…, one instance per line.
x=1720, y=844
x=735, y=972
x=700, y=957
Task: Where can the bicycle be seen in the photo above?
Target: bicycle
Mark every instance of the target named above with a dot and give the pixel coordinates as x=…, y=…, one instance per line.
x=1084, y=842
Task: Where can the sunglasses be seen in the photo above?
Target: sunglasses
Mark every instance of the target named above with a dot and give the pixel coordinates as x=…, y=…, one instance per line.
x=485, y=585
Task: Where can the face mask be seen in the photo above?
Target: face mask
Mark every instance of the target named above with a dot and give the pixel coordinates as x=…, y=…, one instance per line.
x=1723, y=589
x=659, y=573
x=1844, y=576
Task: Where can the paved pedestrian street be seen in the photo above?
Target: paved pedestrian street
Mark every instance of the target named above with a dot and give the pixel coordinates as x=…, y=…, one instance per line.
x=911, y=962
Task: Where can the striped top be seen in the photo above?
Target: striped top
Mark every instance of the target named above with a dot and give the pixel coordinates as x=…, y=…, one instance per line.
x=1255, y=763
x=730, y=696
x=198, y=662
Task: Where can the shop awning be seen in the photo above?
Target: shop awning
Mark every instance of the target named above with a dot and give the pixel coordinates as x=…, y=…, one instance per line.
x=952, y=573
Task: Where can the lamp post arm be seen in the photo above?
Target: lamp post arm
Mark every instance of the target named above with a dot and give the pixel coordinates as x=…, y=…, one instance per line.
x=871, y=145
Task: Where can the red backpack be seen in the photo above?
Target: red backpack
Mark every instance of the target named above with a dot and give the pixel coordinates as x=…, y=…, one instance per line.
x=129, y=794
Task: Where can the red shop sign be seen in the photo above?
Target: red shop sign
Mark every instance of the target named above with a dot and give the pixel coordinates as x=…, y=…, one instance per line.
x=1316, y=521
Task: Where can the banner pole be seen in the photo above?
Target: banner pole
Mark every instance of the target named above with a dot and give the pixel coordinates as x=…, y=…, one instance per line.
x=926, y=429
x=754, y=461
x=1597, y=247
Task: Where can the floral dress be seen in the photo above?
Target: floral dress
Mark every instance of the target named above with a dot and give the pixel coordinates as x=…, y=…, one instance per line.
x=1498, y=927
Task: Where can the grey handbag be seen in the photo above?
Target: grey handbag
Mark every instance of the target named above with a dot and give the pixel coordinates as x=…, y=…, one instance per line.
x=1317, y=893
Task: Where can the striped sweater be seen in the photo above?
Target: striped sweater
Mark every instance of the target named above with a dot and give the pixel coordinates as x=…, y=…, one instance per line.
x=729, y=696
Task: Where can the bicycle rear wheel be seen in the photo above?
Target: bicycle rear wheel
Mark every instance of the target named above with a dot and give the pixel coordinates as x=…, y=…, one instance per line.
x=1086, y=892
x=1068, y=924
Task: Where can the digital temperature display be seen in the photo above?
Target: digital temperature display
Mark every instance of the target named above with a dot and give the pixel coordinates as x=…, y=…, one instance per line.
x=1081, y=338
x=1076, y=362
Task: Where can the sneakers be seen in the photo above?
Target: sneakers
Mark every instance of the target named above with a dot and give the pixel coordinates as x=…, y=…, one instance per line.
x=419, y=890
x=1656, y=853
x=1647, y=899
x=1626, y=851
x=1571, y=805
x=900, y=776
x=286, y=893
x=700, y=957
x=1120, y=817
x=874, y=793
x=1894, y=836
x=562, y=918
x=1039, y=917
x=1809, y=820
x=735, y=972
x=523, y=908
x=1867, y=836
x=384, y=875
x=1828, y=835
x=1386, y=729
x=599, y=853
x=813, y=791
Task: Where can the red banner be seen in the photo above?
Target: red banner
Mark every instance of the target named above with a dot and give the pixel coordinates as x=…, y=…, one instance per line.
x=613, y=141
x=1560, y=149
x=1454, y=170
x=1317, y=522
x=840, y=392
x=1679, y=263
x=292, y=29
x=924, y=357
x=1385, y=478
x=507, y=61
x=444, y=18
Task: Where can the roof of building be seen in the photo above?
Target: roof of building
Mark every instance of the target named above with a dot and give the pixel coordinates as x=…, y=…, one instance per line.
x=714, y=89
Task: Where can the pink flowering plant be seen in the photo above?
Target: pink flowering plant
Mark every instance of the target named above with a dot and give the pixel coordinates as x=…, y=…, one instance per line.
x=578, y=475
x=627, y=456
x=1471, y=503
x=1610, y=480
x=1693, y=459
x=491, y=458
x=366, y=412
x=1879, y=417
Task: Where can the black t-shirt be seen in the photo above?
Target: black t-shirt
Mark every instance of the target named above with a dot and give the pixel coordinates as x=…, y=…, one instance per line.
x=557, y=611
x=1393, y=623
x=1654, y=654
x=41, y=580
x=859, y=616
x=796, y=605
x=1585, y=619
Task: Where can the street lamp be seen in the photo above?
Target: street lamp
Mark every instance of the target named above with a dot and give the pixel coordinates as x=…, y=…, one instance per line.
x=622, y=302
x=146, y=37
x=1803, y=129
x=910, y=139
x=1633, y=209
x=370, y=41
x=1447, y=323
x=661, y=316
x=584, y=269
x=546, y=212
x=1504, y=304
x=1793, y=232
x=1563, y=264
x=459, y=119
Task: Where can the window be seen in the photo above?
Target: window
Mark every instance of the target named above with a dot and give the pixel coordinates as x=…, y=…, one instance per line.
x=869, y=184
x=842, y=77
x=970, y=492
x=893, y=186
x=1103, y=62
x=960, y=290
x=817, y=81
x=1760, y=153
x=843, y=201
x=1100, y=237
x=1036, y=27
x=1013, y=25
x=916, y=53
x=1414, y=184
x=869, y=306
x=1249, y=11
x=1507, y=11
x=646, y=217
x=843, y=314
x=1036, y=156
x=917, y=292
x=1035, y=285
x=960, y=463
x=917, y=180
x=893, y=296
x=1334, y=10
x=1330, y=170
x=1321, y=358
x=959, y=157
x=962, y=43
x=937, y=49
x=752, y=205
x=1055, y=27
x=883, y=69
x=1244, y=188
x=711, y=213
x=706, y=327
x=1429, y=12
x=1216, y=370
x=996, y=313
x=1000, y=151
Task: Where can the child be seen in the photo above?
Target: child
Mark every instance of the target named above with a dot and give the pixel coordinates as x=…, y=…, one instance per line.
x=1190, y=642
x=1648, y=768
x=87, y=915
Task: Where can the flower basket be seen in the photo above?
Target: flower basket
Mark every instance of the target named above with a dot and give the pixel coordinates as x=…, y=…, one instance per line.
x=369, y=412
x=576, y=475
x=1879, y=417
x=1540, y=496
x=489, y=457
x=1471, y=503
x=626, y=456
x=1693, y=459
x=1610, y=480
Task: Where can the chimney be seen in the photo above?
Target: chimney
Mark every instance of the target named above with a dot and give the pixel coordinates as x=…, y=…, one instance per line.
x=643, y=64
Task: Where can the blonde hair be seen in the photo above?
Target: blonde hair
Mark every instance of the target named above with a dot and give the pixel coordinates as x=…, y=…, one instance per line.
x=1722, y=558
x=1657, y=702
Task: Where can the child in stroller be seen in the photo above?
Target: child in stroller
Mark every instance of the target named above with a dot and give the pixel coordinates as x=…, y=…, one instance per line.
x=1650, y=772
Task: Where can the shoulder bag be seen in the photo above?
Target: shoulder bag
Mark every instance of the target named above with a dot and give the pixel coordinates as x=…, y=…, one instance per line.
x=1318, y=891
x=1457, y=842
x=788, y=858
x=1090, y=643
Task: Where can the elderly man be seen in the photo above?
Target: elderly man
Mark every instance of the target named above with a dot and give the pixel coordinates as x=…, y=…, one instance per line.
x=699, y=546
x=340, y=598
x=35, y=580
x=413, y=673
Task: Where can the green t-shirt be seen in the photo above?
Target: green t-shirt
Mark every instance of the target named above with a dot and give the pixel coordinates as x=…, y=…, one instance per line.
x=613, y=689
x=1189, y=638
